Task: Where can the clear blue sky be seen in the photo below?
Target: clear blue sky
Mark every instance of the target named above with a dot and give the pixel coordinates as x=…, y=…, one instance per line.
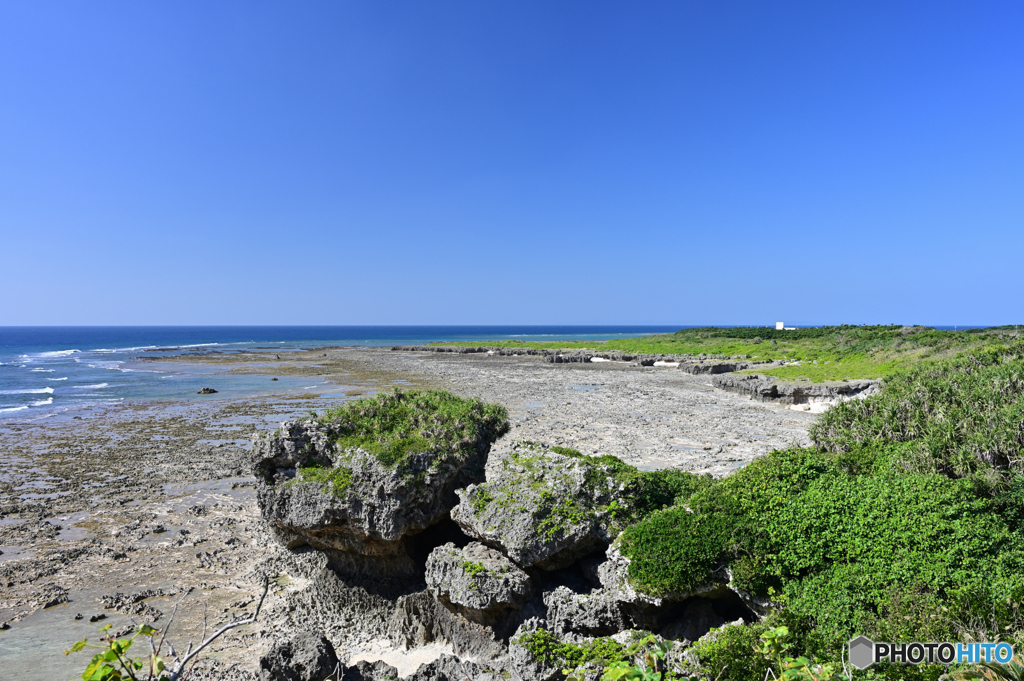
x=511, y=162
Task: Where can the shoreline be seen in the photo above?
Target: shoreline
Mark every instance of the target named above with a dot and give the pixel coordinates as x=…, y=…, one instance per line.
x=158, y=496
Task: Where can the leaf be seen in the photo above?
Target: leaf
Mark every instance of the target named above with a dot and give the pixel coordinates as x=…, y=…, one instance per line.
x=105, y=627
x=147, y=630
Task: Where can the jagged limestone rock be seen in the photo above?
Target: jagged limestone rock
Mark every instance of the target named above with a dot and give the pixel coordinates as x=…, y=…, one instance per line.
x=546, y=508
x=362, y=478
x=527, y=665
x=451, y=668
x=418, y=620
x=307, y=656
x=476, y=581
x=593, y=614
x=370, y=671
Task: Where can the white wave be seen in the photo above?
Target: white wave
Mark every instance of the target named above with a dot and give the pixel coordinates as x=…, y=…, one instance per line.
x=43, y=370
x=94, y=386
x=139, y=347
x=57, y=353
x=12, y=409
x=42, y=403
x=59, y=379
x=197, y=345
x=116, y=366
x=39, y=391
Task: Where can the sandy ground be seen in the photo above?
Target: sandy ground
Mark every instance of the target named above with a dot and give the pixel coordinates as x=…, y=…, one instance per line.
x=125, y=511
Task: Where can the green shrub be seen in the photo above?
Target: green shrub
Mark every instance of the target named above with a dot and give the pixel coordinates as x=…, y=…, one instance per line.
x=964, y=414
x=673, y=550
x=849, y=543
x=392, y=425
x=547, y=648
x=728, y=653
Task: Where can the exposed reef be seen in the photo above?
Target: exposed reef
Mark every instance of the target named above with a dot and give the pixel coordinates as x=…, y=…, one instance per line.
x=764, y=389
x=545, y=520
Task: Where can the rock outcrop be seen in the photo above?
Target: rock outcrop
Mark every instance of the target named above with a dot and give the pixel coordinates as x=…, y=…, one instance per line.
x=319, y=485
x=543, y=508
x=764, y=389
x=477, y=581
x=307, y=656
x=592, y=614
x=700, y=368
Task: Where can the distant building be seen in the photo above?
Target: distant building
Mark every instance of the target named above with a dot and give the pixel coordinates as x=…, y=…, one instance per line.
x=779, y=326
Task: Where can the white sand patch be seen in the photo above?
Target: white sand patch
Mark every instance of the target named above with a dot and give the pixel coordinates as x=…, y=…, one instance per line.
x=661, y=363
x=599, y=359
x=406, y=661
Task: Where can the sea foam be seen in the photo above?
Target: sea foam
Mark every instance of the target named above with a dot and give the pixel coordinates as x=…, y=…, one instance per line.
x=57, y=353
x=39, y=391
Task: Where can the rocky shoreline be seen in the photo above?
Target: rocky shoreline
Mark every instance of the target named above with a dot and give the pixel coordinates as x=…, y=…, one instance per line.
x=124, y=510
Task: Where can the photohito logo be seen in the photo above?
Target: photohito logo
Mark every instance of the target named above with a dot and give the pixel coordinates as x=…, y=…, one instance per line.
x=864, y=652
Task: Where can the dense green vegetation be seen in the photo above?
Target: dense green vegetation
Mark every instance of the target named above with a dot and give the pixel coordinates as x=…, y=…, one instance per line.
x=964, y=415
x=394, y=424
x=547, y=648
x=824, y=353
x=902, y=523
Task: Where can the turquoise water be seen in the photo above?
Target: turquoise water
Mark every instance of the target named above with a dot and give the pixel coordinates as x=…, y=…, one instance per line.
x=46, y=371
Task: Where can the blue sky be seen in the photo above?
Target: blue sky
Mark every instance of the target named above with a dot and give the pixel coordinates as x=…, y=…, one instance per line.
x=511, y=162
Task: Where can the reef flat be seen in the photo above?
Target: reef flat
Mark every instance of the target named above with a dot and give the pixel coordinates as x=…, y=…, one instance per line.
x=121, y=511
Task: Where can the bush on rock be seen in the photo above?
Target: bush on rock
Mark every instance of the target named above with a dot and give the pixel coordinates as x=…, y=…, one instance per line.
x=363, y=476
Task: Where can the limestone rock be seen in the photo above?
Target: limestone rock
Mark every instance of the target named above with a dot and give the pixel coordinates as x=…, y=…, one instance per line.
x=764, y=389
x=308, y=656
x=544, y=508
x=524, y=664
x=370, y=671
x=419, y=619
x=476, y=581
x=451, y=668
x=593, y=614
x=311, y=490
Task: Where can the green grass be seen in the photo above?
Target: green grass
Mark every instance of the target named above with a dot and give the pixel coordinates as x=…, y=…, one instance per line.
x=841, y=352
x=393, y=425
x=338, y=479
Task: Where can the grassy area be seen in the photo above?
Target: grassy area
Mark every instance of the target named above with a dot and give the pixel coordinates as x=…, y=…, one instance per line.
x=830, y=353
x=901, y=524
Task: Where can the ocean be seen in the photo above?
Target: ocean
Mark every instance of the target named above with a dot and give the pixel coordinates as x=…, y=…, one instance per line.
x=46, y=371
